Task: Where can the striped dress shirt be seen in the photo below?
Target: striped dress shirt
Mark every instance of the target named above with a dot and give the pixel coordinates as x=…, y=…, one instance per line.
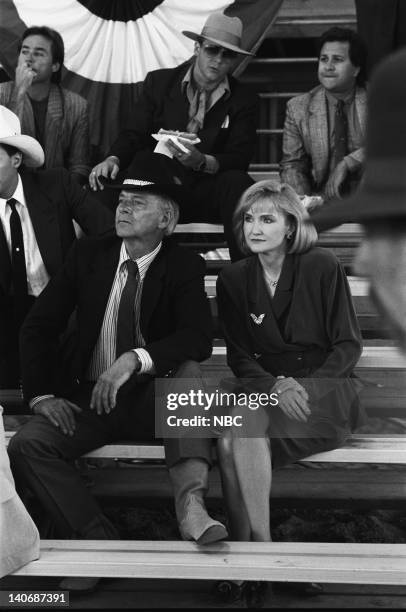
x=104, y=352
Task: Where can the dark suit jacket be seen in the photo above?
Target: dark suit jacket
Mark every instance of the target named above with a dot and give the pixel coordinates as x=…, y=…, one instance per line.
x=175, y=317
x=311, y=311
x=53, y=199
x=162, y=104
x=309, y=328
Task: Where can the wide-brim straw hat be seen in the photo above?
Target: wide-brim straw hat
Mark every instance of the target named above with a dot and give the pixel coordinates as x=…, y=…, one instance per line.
x=382, y=192
x=221, y=30
x=10, y=134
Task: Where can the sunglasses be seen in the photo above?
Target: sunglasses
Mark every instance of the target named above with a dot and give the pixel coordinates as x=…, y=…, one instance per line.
x=215, y=51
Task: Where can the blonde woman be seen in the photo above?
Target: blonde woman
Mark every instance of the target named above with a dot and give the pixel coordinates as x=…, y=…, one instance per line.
x=291, y=331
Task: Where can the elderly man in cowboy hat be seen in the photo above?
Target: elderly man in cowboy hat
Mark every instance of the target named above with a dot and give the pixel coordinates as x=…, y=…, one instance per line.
x=142, y=313
x=199, y=97
x=380, y=203
x=36, y=230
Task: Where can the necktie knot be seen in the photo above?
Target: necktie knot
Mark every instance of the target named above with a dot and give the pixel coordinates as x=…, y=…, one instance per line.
x=12, y=203
x=340, y=107
x=132, y=267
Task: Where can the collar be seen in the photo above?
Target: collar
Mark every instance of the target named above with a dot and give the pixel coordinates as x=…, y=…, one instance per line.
x=17, y=195
x=348, y=99
x=188, y=81
x=143, y=262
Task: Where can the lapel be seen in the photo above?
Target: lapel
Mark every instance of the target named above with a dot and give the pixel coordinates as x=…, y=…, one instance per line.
x=53, y=125
x=44, y=218
x=213, y=122
x=5, y=263
x=259, y=301
x=102, y=270
x=361, y=109
x=283, y=294
x=176, y=103
x=151, y=290
x=27, y=123
x=318, y=134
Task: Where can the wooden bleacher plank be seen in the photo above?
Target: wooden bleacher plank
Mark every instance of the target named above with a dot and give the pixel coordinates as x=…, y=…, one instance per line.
x=346, y=229
x=284, y=561
x=357, y=449
x=381, y=357
x=297, y=18
x=359, y=286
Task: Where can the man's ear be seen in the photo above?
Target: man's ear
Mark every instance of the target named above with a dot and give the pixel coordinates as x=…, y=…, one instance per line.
x=56, y=66
x=196, y=49
x=17, y=159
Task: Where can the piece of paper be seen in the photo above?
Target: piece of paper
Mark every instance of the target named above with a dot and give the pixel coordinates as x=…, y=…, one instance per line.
x=164, y=138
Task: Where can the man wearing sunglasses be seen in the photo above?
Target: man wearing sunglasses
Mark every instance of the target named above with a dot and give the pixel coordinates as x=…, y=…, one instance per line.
x=202, y=98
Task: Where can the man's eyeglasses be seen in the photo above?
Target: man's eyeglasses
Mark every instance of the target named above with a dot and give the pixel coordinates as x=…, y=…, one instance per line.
x=215, y=51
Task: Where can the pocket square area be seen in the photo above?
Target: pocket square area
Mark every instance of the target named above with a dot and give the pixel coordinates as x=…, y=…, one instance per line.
x=226, y=122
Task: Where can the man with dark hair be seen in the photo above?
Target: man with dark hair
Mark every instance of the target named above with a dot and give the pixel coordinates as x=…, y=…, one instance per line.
x=324, y=129
x=199, y=97
x=142, y=313
x=380, y=202
x=56, y=117
x=36, y=231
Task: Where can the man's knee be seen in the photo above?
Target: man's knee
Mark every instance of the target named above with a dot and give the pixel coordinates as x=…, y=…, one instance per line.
x=26, y=444
x=188, y=369
x=235, y=181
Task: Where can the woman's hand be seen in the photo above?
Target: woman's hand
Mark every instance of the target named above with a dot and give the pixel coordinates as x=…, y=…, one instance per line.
x=293, y=399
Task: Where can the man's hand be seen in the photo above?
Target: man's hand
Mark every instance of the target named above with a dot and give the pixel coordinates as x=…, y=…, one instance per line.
x=108, y=168
x=60, y=412
x=24, y=76
x=192, y=159
x=105, y=390
x=293, y=399
x=335, y=181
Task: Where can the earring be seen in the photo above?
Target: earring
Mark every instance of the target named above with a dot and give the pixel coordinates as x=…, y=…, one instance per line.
x=289, y=236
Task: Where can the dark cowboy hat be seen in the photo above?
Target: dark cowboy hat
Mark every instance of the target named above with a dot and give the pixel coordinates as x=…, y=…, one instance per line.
x=221, y=30
x=153, y=173
x=382, y=193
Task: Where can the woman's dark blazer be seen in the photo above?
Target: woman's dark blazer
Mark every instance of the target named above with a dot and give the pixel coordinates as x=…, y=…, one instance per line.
x=308, y=329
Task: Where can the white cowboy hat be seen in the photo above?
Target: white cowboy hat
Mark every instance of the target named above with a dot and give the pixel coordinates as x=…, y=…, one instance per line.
x=221, y=30
x=10, y=134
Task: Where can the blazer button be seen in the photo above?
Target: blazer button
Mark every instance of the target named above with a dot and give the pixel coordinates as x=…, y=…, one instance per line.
x=299, y=358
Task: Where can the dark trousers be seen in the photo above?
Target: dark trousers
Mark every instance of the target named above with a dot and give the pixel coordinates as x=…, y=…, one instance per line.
x=42, y=457
x=215, y=198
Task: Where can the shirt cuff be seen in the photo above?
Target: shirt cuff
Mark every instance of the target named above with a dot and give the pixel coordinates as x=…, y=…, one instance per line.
x=212, y=165
x=35, y=400
x=147, y=365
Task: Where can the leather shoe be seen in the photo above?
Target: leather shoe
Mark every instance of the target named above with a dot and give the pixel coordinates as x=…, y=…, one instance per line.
x=214, y=533
x=79, y=585
x=308, y=589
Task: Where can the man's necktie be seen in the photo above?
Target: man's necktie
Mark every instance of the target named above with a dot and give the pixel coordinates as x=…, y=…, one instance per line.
x=340, y=133
x=125, y=338
x=197, y=111
x=18, y=268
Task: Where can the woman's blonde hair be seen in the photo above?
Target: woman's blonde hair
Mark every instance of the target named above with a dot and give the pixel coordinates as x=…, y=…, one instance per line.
x=286, y=201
